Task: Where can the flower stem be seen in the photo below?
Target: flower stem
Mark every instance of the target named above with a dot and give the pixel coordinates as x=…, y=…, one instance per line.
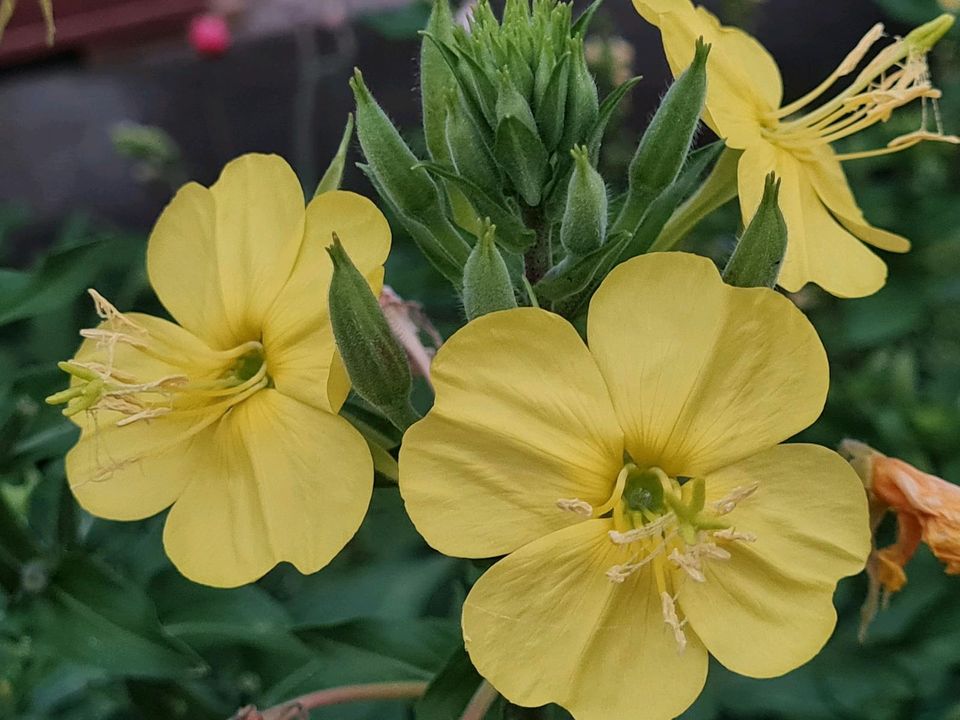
x=719, y=188
x=480, y=702
x=335, y=696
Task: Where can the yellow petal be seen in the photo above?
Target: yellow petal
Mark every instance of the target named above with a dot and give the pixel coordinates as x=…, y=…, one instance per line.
x=217, y=258
x=702, y=374
x=826, y=174
x=522, y=419
x=743, y=81
x=819, y=249
x=280, y=481
x=769, y=608
x=546, y=625
x=297, y=337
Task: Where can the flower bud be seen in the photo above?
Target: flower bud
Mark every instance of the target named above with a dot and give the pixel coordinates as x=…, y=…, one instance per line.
x=552, y=102
x=583, y=101
x=760, y=250
x=666, y=142
x=486, y=281
x=375, y=362
x=517, y=147
x=468, y=150
x=411, y=191
x=436, y=80
x=584, y=226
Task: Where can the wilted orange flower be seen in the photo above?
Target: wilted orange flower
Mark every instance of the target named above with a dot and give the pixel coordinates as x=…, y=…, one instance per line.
x=927, y=510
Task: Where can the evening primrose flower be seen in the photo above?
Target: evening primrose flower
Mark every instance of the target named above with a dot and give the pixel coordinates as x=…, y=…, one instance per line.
x=745, y=107
x=638, y=490
x=230, y=416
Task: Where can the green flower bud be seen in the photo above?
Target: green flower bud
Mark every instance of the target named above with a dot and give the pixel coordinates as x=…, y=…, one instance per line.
x=511, y=103
x=757, y=259
x=517, y=146
x=468, y=149
x=584, y=226
x=666, y=142
x=411, y=191
x=374, y=360
x=552, y=104
x=436, y=79
x=486, y=281
x=583, y=102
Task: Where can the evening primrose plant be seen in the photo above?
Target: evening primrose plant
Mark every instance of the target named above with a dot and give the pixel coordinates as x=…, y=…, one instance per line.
x=609, y=435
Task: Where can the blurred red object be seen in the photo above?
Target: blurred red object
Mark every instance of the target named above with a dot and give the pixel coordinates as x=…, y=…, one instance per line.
x=89, y=25
x=209, y=35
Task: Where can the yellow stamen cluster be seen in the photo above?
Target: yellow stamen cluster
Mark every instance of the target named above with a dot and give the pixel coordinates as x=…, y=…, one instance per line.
x=103, y=384
x=895, y=77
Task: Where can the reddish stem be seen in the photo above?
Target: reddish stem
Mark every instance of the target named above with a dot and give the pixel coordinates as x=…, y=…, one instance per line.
x=299, y=707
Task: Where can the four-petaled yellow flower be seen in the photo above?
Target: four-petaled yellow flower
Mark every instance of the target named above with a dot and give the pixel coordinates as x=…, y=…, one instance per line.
x=744, y=107
x=637, y=487
x=230, y=416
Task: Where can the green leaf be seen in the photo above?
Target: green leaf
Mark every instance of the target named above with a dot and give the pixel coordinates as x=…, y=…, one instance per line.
x=334, y=174
x=90, y=615
x=451, y=690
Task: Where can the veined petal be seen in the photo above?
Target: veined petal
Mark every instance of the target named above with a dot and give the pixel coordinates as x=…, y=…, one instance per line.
x=831, y=185
x=281, y=481
x=702, y=374
x=217, y=258
x=809, y=515
x=819, y=249
x=545, y=624
x=743, y=80
x=297, y=336
x=522, y=419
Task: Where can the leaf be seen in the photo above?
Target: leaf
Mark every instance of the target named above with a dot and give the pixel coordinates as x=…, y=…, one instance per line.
x=451, y=690
x=334, y=174
x=91, y=616
x=369, y=651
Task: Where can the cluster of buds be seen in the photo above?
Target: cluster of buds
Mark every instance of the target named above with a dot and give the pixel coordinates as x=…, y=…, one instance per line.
x=510, y=202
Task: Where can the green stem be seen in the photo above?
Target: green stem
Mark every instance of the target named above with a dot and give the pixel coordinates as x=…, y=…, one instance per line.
x=481, y=701
x=402, y=416
x=336, y=696
x=719, y=188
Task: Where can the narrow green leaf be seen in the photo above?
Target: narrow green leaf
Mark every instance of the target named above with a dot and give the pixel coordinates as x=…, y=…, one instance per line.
x=334, y=175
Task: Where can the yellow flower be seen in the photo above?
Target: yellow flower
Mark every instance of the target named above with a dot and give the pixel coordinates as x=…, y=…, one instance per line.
x=745, y=107
x=637, y=488
x=230, y=416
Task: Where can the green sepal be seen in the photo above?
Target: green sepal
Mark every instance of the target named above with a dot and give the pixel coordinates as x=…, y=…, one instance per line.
x=582, y=25
x=486, y=281
x=757, y=259
x=334, y=174
x=583, y=102
x=552, y=106
x=514, y=235
x=584, y=226
x=523, y=157
x=377, y=365
x=666, y=142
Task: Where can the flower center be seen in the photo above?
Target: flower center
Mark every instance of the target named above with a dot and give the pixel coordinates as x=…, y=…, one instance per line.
x=116, y=382
x=661, y=522
x=895, y=77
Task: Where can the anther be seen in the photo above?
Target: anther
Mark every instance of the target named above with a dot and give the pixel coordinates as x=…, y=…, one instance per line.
x=728, y=503
x=576, y=506
x=669, y=609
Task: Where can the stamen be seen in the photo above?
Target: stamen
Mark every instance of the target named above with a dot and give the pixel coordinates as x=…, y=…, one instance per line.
x=669, y=609
x=737, y=495
x=640, y=533
x=732, y=535
x=576, y=506
x=689, y=562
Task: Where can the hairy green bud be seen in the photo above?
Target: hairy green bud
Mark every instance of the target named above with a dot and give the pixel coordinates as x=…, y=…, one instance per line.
x=468, y=149
x=486, y=281
x=583, y=101
x=666, y=142
x=375, y=362
x=552, y=103
x=584, y=226
x=759, y=254
x=411, y=191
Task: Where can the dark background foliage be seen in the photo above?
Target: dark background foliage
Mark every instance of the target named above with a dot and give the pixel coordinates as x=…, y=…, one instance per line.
x=95, y=623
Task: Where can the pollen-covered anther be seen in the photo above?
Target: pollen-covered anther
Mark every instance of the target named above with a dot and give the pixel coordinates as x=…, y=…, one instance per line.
x=732, y=534
x=689, y=562
x=728, y=504
x=576, y=506
x=644, y=531
x=669, y=609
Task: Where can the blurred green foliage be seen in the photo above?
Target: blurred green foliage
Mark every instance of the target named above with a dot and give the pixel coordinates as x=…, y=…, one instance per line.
x=96, y=624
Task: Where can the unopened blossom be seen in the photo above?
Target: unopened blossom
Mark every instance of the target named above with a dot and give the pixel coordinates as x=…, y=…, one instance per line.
x=745, y=107
x=637, y=487
x=229, y=415
x=927, y=510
